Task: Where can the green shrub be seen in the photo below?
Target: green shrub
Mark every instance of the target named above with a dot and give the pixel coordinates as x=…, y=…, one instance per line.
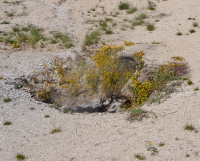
x=92, y=38
x=20, y=157
x=150, y=27
x=124, y=6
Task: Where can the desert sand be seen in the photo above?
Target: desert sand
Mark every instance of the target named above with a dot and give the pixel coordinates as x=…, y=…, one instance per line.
x=100, y=136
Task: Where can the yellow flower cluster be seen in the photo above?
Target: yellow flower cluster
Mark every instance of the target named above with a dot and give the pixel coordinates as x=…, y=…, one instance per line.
x=44, y=94
x=113, y=76
x=178, y=58
x=141, y=90
x=128, y=43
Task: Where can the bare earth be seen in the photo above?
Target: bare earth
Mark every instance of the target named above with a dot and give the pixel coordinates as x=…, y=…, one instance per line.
x=104, y=136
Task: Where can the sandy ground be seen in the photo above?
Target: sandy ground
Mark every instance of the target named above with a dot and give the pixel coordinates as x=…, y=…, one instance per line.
x=100, y=136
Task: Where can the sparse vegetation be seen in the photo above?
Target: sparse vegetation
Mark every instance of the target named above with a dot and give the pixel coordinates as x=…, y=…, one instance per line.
x=92, y=38
x=161, y=144
x=179, y=33
x=33, y=36
x=189, y=82
x=47, y=116
x=124, y=6
x=187, y=155
x=11, y=14
x=7, y=100
x=140, y=156
x=150, y=27
x=55, y=130
x=191, y=18
x=192, y=31
x=151, y=6
x=131, y=10
x=5, y=22
x=20, y=157
x=195, y=24
x=7, y=123
x=189, y=127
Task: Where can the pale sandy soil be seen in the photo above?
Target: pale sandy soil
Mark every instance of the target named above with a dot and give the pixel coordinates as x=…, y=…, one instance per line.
x=100, y=137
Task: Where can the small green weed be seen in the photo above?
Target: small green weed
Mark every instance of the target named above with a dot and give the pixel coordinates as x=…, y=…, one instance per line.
x=191, y=18
x=179, y=33
x=124, y=6
x=16, y=29
x=137, y=23
x=187, y=155
x=7, y=100
x=7, y=123
x=20, y=157
x=140, y=157
x=189, y=127
x=196, y=89
x=5, y=22
x=55, y=130
x=189, y=82
x=137, y=114
x=151, y=6
x=150, y=27
x=11, y=14
x=161, y=144
x=142, y=16
x=195, y=24
x=192, y=31
x=46, y=116
x=132, y=10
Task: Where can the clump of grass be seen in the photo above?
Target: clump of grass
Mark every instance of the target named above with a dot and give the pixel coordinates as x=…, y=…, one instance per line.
x=33, y=36
x=189, y=127
x=191, y=18
x=7, y=123
x=150, y=27
x=195, y=24
x=55, y=130
x=137, y=23
x=7, y=100
x=196, y=89
x=11, y=14
x=142, y=16
x=187, y=155
x=192, y=31
x=137, y=114
x=161, y=144
x=189, y=82
x=151, y=6
x=92, y=38
x=131, y=10
x=20, y=157
x=5, y=22
x=140, y=157
x=139, y=20
x=179, y=33
x=124, y=6
x=16, y=29
x=47, y=116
